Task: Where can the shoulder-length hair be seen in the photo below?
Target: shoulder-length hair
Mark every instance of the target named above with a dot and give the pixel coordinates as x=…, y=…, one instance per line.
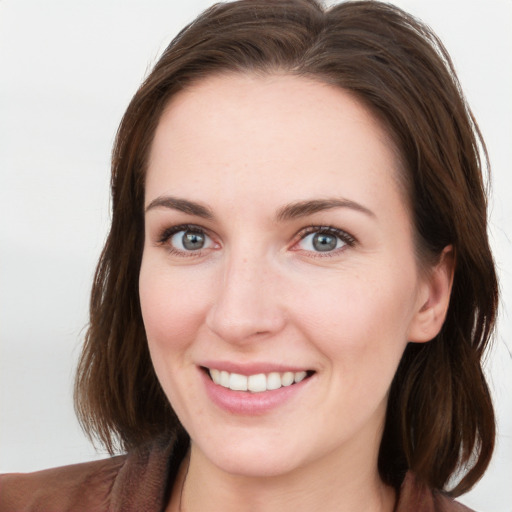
x=440, y=420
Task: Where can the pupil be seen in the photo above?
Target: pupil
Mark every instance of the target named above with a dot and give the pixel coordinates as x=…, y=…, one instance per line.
x=193, y=241
x=323, y=242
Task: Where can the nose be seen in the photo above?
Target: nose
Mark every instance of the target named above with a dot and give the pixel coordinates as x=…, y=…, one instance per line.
x=246, y=305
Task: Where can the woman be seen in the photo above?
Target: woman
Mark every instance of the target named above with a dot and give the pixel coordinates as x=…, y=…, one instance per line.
x=297, y=290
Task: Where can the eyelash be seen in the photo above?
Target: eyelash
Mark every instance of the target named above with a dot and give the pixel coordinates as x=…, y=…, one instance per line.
x=345, y=237
x=168, y=233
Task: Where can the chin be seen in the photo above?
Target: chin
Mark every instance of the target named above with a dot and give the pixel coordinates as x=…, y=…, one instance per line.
x=252, y=459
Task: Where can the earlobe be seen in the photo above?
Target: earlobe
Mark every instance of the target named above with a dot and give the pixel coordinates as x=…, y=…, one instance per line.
x=433, y=305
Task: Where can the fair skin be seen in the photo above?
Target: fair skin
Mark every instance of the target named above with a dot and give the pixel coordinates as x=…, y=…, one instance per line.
x=279, y=240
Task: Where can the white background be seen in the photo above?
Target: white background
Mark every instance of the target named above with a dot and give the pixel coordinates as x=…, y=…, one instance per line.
x=67, y=71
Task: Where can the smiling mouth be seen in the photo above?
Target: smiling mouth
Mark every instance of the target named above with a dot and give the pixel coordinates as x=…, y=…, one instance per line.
x=257, y=383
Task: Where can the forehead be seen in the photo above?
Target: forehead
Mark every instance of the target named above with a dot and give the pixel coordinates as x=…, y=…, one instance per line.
x=252, y=133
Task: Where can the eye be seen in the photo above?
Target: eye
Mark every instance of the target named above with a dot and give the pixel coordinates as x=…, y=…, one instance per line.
x=324, y=240
x=186, y=239
x=189, y=240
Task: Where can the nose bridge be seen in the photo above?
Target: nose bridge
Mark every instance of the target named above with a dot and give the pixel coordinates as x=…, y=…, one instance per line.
x=246, y=302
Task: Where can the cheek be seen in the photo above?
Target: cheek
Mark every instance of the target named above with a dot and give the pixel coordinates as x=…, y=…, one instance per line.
x=173, y=305
x=360, y=321
x=173, y=308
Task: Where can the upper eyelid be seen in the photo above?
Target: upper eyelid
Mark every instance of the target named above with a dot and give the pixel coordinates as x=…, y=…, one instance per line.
x=341, y=233
x=166, y=233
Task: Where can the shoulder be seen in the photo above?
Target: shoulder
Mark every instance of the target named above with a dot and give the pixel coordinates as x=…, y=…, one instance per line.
x=86, y=486
x=138, y=481
x=414, y=495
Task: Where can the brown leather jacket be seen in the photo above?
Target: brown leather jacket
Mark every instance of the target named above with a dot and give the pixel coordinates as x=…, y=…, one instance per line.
x=141, y=482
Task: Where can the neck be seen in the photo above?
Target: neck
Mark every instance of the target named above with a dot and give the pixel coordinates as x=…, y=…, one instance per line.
x=327, y=485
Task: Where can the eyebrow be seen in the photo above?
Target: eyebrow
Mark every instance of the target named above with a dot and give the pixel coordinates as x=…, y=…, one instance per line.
x=182, y=205
x=309, y=207
x=288, y=212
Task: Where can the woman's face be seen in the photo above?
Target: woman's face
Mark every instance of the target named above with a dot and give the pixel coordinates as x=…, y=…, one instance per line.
x=278, y=248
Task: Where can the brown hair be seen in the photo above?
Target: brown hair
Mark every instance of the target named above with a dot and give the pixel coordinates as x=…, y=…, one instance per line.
x=440, y=418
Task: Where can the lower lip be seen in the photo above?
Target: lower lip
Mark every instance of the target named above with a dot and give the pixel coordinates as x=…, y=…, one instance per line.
x=245, y=402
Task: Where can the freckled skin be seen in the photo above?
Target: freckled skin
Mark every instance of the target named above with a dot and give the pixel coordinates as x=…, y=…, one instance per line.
x=245, y=146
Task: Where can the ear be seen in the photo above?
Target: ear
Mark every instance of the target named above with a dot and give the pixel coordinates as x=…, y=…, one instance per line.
x=434, y=299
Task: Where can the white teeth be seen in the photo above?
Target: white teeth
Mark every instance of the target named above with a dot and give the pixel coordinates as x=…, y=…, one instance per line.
x=256, y=383
x=273, y=381
x=224, y=379
x=300, y=376
x=237, y=382
x=215, y=374
x=287, y=379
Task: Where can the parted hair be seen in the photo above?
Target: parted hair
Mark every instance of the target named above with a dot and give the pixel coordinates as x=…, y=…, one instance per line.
x=440, y=420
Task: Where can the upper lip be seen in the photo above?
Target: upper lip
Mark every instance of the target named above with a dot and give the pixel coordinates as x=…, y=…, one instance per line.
x=252, y=368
